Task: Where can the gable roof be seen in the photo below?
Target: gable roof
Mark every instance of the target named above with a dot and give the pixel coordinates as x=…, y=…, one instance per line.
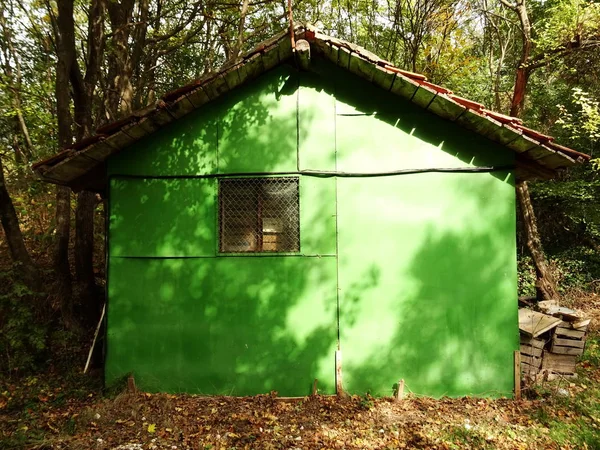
x=82, y=165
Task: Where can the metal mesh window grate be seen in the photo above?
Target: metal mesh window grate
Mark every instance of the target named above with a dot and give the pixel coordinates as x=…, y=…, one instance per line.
x=259, y=215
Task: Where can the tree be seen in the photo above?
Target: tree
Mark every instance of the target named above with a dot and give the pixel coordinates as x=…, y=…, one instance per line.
x=527, y=63
x=14, y=238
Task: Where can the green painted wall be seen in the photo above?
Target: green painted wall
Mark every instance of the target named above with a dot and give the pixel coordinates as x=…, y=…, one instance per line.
x=418, y=271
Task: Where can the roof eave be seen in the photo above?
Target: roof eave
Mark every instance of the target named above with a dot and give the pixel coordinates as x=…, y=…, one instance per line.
x=537, y=155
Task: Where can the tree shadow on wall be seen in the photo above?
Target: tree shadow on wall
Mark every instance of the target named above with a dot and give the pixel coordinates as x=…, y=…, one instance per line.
x=182, y=317
x=455, y=332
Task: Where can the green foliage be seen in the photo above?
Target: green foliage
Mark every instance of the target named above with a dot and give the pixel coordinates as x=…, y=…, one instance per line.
x=584, y=122
x=569, y=226
x=22, y=337
x=467, y=436
x=366, y=402
x=591, y=356
x=526, y=276
x=566, y=20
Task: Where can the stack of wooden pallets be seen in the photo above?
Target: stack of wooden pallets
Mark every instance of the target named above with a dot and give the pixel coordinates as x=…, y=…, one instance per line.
x=551, y=341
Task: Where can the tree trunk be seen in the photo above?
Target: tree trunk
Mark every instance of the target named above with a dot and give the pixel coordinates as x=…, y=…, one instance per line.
x=84, y=254
x=523, y=72
x=64, y=31
x=545, y=284
x=61, y=254
x=518, y=101
x=10, y=223
x=120, y=98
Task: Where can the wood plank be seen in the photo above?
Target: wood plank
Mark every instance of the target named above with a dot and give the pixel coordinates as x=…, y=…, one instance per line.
x=284, y=49
x=181, y=107
x=217, y=86
x=119, y=140
x=559, y=363
x=160, y=117
x=531, y=360
x=361, y=67
x=556, y=376
x=232, y=78
x=538, y=152
x=400, y=390
x=545, y=305
x=251, y=68
x=568, y=314
x=423, y=96
x=534, y=323
x=478, y=123
x=331, y=51
x=138, y=130
x=517, y=372
x=271, y=57
x=530, y=350
x=576, y=343
x=404, y=87
x=328, y=50
x=383, y=78
x=559, y=350
x=528, y=340
x=530, y=366
x=343, y=58
x=581, y=324
x=446, y=108
x=528, y=369
x=569, y=332
x=198, y=97
x=100, y=151
x=71, y=168
x=522, y=144
x=557, y=160
x=531, y=169
x=488, y=127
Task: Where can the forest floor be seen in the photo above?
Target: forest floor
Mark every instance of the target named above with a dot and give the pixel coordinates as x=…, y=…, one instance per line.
x=58, y=410
x=61, y=412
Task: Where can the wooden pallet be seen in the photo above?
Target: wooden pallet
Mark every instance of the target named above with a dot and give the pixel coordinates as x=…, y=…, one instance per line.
x=531, y=354
x=559, y=364
x=567, y=341
x=550, y=346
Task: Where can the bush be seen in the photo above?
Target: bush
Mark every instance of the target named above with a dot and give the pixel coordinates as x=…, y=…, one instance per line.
x=22, y=335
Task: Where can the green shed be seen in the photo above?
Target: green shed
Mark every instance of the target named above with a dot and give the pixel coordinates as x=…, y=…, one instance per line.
x=302, y=205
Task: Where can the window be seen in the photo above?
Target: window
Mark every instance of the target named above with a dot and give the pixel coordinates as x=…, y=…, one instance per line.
x=259, y=215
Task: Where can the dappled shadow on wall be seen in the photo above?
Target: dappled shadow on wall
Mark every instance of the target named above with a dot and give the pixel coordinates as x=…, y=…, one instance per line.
x=442, y=316
x=251, y=129
x=224, y=326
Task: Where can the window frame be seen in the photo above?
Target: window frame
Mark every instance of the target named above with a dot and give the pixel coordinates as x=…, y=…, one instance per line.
x=259, y=231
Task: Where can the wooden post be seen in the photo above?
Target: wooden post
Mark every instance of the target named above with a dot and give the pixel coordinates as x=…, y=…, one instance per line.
x=517, y=375
x=400, y=390
x=303, y=53
x=314, y=389
x=131, y=384
x=338, y=374
x=89, y=358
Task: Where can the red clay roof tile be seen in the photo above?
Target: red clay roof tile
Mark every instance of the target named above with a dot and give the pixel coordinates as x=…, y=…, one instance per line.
x=310, y=34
